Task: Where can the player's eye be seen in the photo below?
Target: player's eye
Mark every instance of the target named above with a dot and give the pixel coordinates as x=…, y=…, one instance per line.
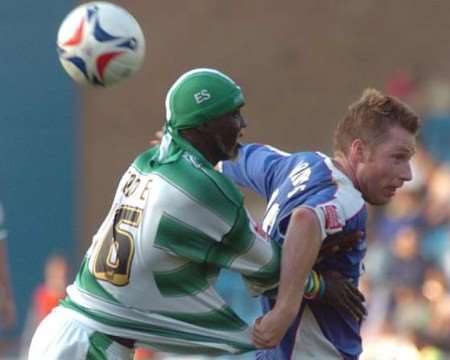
x=400, y=157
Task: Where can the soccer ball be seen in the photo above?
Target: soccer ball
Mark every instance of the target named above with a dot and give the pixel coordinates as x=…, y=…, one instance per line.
x=101, y=44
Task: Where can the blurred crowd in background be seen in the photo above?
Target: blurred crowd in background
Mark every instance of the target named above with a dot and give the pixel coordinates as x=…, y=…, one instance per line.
x=408, y=260
x=407, y=266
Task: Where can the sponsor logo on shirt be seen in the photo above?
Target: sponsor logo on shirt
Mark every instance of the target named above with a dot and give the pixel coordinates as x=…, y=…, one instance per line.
x=331, y=217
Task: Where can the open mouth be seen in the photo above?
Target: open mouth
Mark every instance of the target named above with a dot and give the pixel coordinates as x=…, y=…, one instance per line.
x=391, y=190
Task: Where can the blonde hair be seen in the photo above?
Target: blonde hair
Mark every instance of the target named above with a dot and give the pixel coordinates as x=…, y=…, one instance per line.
x=371, y=117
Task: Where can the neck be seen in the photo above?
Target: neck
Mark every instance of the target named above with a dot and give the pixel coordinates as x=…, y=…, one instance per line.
x=201, y=144
x=344, y=164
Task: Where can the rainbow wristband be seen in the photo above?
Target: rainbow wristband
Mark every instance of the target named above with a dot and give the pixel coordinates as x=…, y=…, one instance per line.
x=323, y=286
x=313, y=286
x=309, y=284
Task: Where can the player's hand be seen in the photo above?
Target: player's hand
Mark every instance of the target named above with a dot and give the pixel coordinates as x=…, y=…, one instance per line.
x=157, y=138
x=341, y=241
x=342, y=295
x=269, y=329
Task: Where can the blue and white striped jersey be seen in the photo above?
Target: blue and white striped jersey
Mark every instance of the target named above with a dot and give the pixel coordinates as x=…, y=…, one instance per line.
x=307, y=179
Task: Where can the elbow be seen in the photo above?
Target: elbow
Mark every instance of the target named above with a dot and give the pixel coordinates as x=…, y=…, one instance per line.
x=304, y=216
x=304, y=221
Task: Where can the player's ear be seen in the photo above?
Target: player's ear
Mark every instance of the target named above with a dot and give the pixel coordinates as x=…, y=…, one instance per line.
x=357, y=151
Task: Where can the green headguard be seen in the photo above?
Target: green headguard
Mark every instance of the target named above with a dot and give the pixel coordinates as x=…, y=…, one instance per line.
x=197, y=96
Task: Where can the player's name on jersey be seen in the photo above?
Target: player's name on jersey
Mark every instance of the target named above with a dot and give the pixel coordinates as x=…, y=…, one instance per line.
x=137, y=185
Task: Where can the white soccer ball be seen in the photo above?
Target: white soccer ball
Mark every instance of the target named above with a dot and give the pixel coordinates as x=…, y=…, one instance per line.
x=101, y=44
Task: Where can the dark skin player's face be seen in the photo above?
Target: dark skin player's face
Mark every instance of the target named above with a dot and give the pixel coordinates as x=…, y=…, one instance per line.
x=226, y=131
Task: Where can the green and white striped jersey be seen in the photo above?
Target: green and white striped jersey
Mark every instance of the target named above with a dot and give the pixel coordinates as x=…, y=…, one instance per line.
x=149, y=274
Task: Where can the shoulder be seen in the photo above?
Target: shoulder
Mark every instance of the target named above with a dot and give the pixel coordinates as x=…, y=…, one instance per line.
x=201, y=183
x=264, y=148
x=346, y=196
x=341, y=202
x=332, y=195
x=142, y=161
x=309, y=176
x=261, y=154
x=311, y=162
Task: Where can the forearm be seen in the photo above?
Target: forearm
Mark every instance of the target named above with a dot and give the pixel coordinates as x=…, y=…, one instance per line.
x=299, y=254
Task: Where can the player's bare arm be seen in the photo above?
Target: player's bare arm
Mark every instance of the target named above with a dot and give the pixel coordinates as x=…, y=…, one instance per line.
x=300, y=251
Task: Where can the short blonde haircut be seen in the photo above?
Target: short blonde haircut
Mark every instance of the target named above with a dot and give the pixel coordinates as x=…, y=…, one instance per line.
x=371, y=117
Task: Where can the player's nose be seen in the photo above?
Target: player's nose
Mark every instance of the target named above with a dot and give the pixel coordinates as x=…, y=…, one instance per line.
x=243, y=122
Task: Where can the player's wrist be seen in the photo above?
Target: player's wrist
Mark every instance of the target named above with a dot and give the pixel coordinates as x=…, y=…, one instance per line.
x=286, y=311
x=314, y=286
x=287, y=306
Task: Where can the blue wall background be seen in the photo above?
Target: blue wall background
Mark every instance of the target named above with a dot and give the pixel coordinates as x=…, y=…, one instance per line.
x=38, y=135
